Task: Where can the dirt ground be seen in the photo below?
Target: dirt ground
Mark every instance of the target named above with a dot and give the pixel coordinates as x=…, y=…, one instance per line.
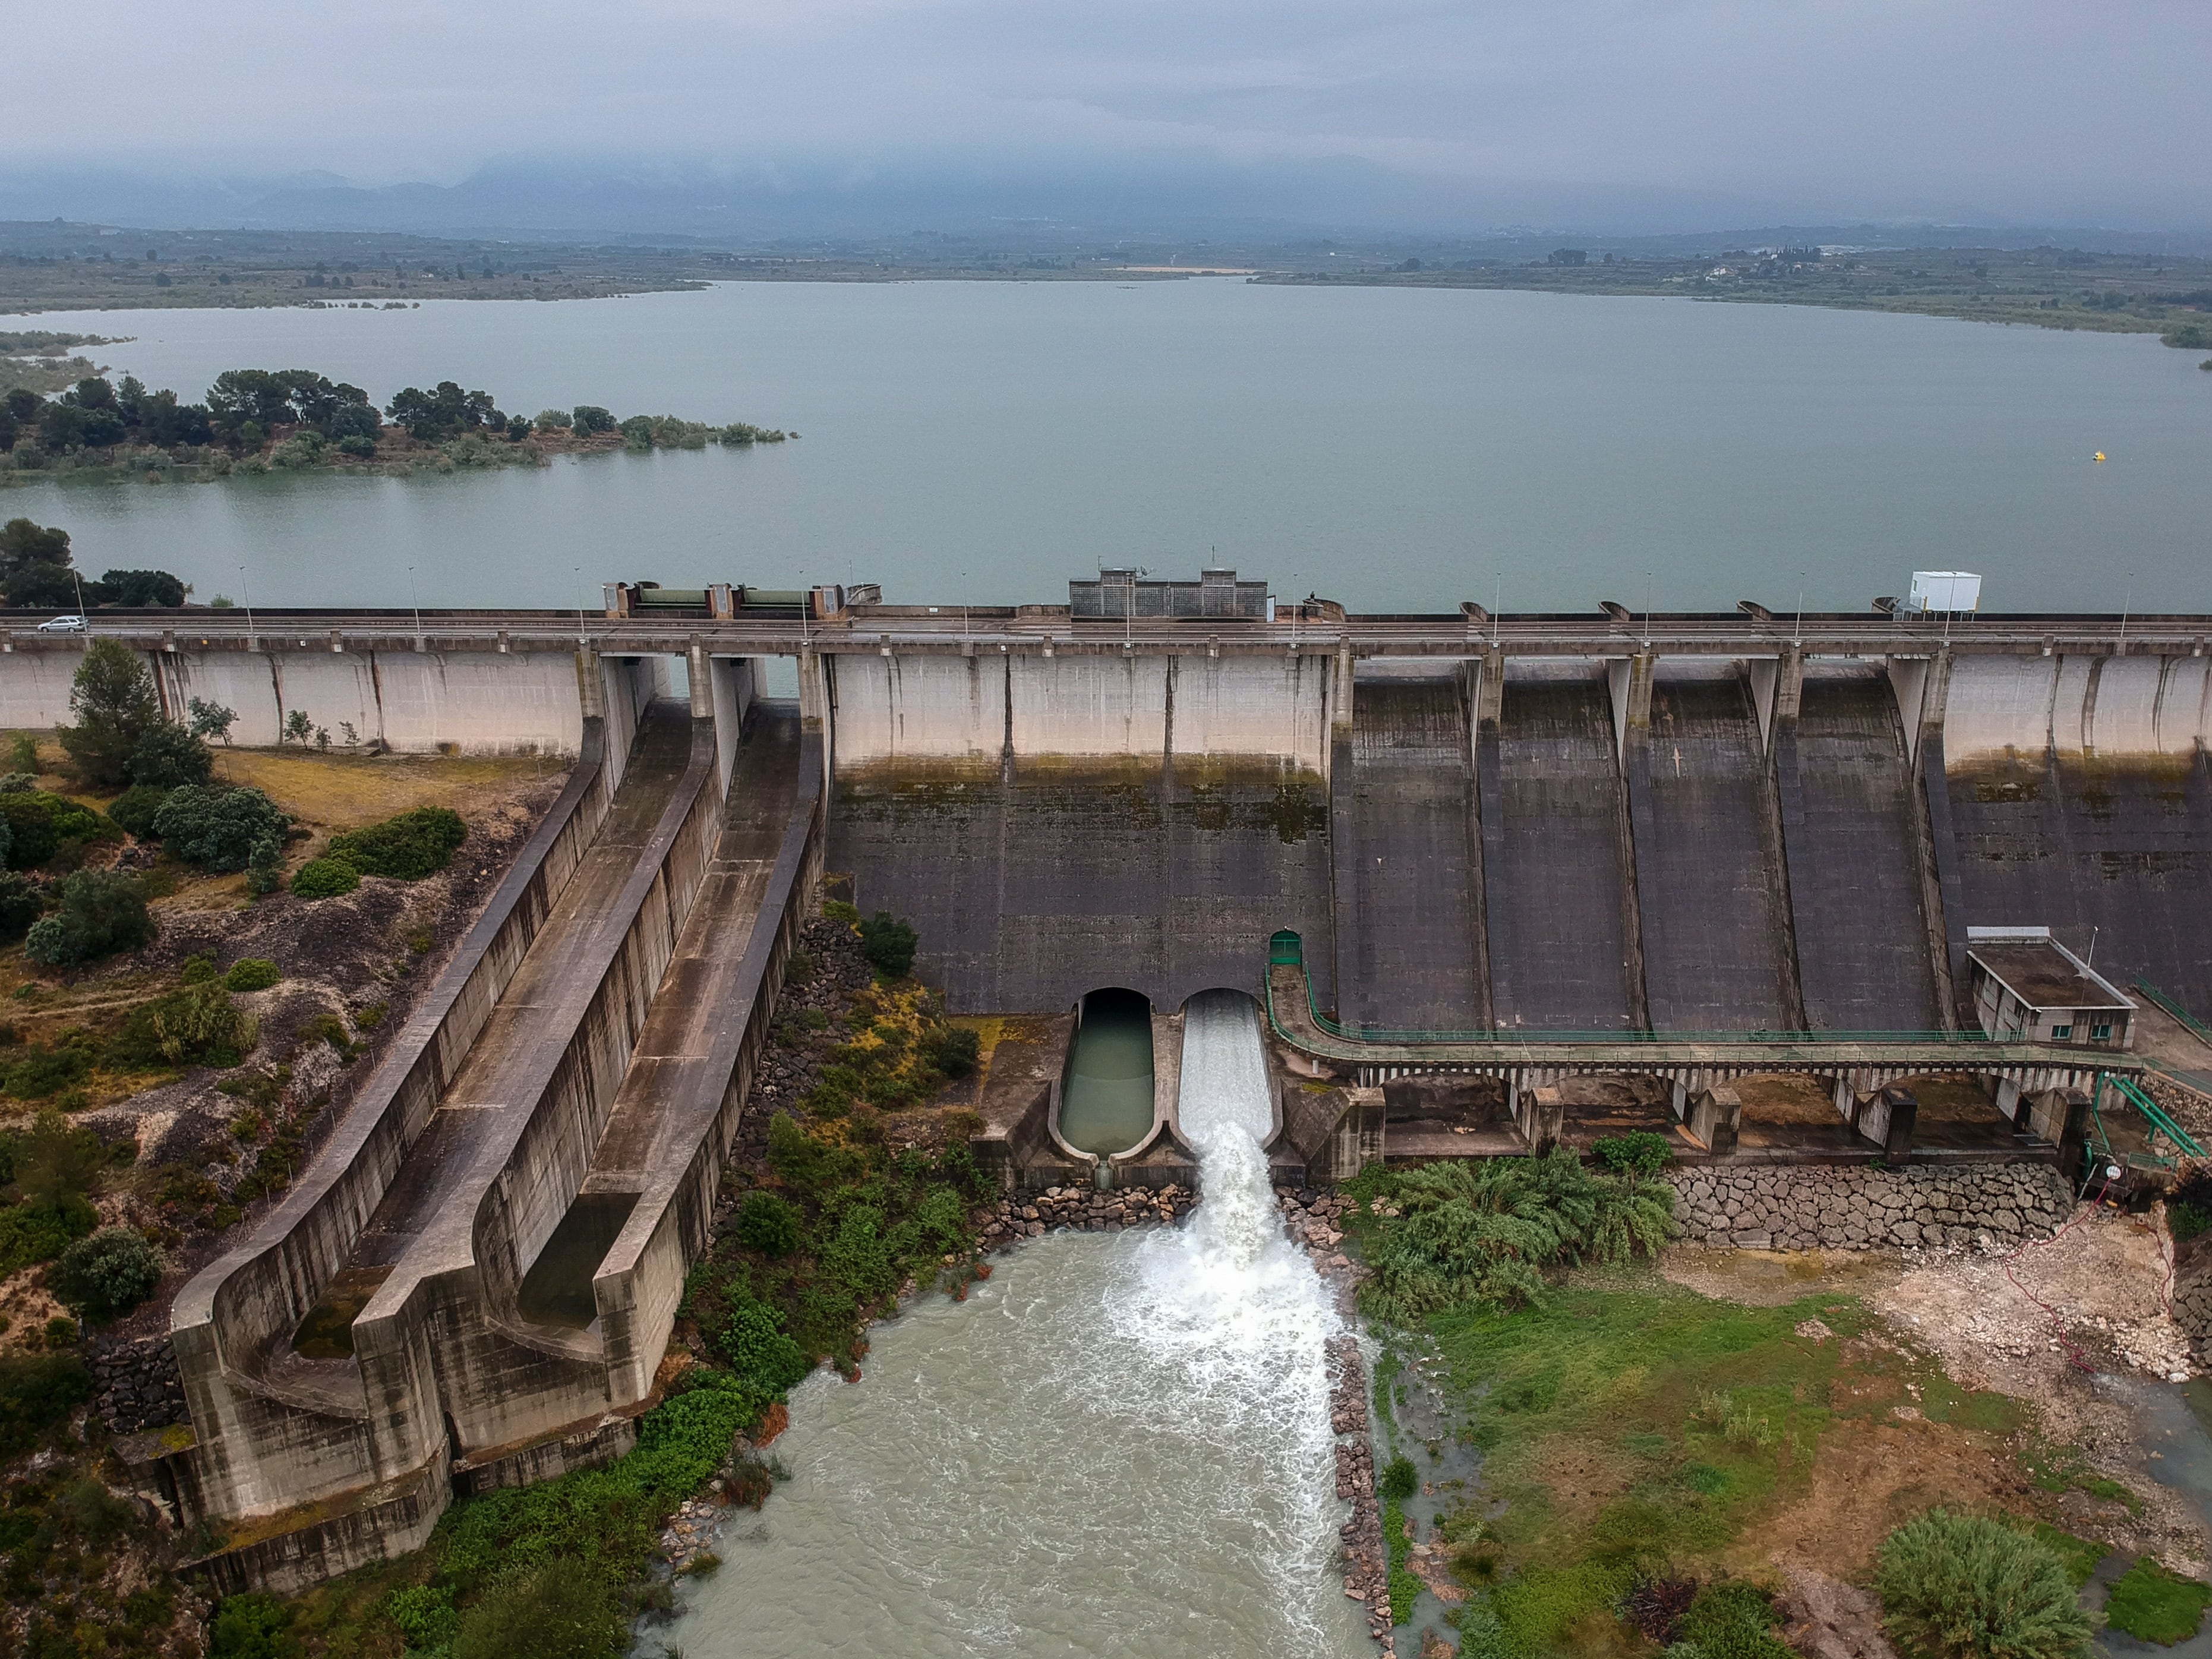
x=2104, y=1283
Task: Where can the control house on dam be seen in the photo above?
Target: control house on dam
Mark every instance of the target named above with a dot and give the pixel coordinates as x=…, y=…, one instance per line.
x=1835, y=888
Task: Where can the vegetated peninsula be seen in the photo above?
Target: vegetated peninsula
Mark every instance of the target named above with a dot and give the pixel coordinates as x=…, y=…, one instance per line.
x=2165, y=295
x=43, y=362
x=258, y=420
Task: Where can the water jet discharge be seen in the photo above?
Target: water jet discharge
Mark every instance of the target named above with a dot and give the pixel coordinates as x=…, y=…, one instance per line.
x=1136, y=1423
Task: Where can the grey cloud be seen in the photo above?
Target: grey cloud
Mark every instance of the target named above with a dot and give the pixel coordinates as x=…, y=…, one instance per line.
x=2019, y=109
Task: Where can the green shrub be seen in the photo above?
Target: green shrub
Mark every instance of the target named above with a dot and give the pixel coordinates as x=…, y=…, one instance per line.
x=589, y=418
x=406, y=847
x=252, y=974
x=754, y=1343
x=133, y=809
x=550, y=1611
x=1964, y=1587
x=99, y=912
x=198, y=1025
x=56, y=1162
x=116, y=705
x=1731, y=1621
x=106, y=1275
x=1483, y=1232
x=94, y=1512
x=22, y=901
x=1399, y=1481
x=44, y=1072
x=952, y=1049
x=37, y=1392
x=324, y=878
x=888, y=945
x=1639, y=1152
x=254, y=1625
x=264, y=866
x=170, y=755
x=424, y=1613
x=2154, y=1605
x=32, y=1233
x=768, y=1225
x=838, y=910
x=39, y=825
x=216, y=826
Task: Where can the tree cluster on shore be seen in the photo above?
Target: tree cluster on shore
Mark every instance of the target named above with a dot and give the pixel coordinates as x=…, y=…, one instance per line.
x=37, y=571
x=256, y=420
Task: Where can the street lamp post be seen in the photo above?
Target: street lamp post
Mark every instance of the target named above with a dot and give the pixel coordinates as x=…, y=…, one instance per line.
x=416, y=603
x=246, y=591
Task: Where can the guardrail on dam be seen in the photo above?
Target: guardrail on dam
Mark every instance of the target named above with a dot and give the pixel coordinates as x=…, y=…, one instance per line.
x=1571, y=834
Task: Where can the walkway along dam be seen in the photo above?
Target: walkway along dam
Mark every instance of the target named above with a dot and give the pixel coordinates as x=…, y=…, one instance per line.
x=1465, y=863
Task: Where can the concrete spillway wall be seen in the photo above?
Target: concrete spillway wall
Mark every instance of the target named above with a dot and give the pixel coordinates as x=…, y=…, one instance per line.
x=1848, y=805
x=992, y=705
x=265, y=1444
x=1408, y=848
x=1718, y=952
x=1558, y=869
x=1045, y=821
x=2080, y=799
x=455, y=1176
x=465, y=702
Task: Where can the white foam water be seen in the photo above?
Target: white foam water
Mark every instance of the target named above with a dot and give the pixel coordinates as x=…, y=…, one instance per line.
x=1118, y=1445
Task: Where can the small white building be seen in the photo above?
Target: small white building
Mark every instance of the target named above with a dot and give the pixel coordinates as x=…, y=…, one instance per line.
x=2029, y=988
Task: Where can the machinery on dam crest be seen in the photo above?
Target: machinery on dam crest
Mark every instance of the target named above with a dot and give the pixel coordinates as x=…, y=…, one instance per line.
x=1466, y=864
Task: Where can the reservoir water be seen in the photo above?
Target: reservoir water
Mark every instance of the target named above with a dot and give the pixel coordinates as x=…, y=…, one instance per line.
x=1119, y=1445
x=1393, y=448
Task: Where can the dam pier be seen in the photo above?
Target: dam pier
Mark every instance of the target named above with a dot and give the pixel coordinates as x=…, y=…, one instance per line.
x=1837, y=890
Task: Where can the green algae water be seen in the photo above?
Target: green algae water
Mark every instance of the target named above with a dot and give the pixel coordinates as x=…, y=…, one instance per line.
x=1391, y=448
x=1118, y=1445
x=1106, y=1106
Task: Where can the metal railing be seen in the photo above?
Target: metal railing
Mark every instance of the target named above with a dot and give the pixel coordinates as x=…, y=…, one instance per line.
x=2196, y=1026
x=2160, y=1124
x=1383, y=1036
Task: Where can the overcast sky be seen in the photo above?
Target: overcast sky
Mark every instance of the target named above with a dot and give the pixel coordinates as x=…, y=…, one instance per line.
x=2036, y=110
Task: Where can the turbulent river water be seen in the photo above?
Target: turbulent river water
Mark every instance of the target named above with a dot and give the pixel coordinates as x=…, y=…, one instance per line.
x=1119, y=1445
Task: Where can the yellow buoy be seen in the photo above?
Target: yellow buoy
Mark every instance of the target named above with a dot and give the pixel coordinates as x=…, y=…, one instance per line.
x=2100, y=455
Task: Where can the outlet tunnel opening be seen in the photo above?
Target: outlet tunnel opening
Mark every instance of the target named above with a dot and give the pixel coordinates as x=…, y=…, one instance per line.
x=1106, y=1102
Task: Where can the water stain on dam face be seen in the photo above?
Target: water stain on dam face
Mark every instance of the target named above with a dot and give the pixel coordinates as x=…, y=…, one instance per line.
x=2117, y=851
x=1028, y=889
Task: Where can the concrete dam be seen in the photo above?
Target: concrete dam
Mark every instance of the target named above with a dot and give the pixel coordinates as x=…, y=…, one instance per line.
x=1457, y=858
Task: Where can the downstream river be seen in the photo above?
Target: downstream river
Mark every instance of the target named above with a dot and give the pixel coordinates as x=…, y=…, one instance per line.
x=1119, y=1445
x=1397, y=448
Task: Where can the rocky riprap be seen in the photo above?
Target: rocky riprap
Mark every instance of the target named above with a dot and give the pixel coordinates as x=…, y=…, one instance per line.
x=1366, y=1563
x=136, y=1385
x=1085, y=1209
x=1961, y=1206
x=1314, y=1221
x=691, y=1532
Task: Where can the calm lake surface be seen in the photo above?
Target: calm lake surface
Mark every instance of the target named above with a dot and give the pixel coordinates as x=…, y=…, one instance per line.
x=1392, y=447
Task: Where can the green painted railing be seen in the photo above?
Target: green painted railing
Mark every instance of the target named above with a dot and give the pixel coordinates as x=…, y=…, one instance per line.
x=1280, y=956
x=2173, y=1008
x=2160, y=1124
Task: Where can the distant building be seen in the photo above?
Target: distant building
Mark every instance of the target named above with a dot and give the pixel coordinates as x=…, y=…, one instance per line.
x=1120, y=593
x=2029, y=988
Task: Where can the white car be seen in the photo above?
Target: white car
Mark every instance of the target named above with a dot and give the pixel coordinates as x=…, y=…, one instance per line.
x=63, y=625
